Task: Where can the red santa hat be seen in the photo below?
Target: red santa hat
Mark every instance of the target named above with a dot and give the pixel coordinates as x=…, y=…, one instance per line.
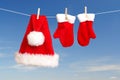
x=36, y=48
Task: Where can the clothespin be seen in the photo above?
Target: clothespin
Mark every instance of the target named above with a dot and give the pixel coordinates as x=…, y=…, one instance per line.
x=38, y=13
x=86, y=11
x=66, y=12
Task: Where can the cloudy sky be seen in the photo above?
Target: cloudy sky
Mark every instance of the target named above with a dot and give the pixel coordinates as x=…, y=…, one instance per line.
x=100, y=60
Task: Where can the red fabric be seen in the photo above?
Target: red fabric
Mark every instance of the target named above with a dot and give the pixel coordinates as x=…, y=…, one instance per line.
x=65, y=34
x=40, y=25
x=83, y=35
x=90, y=29
x=85, y=32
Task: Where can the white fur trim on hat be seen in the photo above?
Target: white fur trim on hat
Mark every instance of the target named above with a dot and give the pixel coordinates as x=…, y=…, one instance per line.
x=35, y=38
x=83, y=17
x=61, y=18
x=37, y=60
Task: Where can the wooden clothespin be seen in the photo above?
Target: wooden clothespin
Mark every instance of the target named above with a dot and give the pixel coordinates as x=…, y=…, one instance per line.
x=66, y=12
x=38, y=13
x=86, y=11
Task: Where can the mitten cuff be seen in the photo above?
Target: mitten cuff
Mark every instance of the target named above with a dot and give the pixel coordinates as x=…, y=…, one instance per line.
x=83, y=17
x=61, y=18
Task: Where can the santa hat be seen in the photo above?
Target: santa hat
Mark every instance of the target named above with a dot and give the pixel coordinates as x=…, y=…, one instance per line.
x=36, y=48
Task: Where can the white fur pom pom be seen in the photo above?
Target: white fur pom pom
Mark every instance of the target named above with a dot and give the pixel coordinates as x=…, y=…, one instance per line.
x=35, y=38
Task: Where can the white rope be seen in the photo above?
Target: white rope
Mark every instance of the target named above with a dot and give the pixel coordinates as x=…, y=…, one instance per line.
x=108, y=12
x=7, y=10
x=14, y=12
x=51, y=16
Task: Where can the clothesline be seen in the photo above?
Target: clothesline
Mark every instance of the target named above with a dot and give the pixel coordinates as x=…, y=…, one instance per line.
x=24, y=14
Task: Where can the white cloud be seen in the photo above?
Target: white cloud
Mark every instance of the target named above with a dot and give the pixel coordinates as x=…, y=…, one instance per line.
x=19, y=67
x=22, y=67
x=1, y=55
x=113, y=77
x=4, y=55
x=104, y=68
x=99, y=64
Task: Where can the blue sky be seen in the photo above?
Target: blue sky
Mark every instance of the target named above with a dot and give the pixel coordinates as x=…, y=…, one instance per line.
x=98, y=61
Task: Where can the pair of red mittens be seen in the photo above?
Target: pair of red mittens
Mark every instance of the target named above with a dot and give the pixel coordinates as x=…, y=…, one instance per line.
x=65, y=29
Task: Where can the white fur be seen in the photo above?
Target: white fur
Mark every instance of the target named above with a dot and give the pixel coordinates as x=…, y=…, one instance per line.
x=61, y=18
x=37, y=60
x=35, y=38
x=83, y=17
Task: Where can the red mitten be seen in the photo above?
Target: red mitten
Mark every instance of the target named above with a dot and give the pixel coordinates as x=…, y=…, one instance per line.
x=90, y=25
x=85, y=30
x=83, y=35
x=64, y=30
